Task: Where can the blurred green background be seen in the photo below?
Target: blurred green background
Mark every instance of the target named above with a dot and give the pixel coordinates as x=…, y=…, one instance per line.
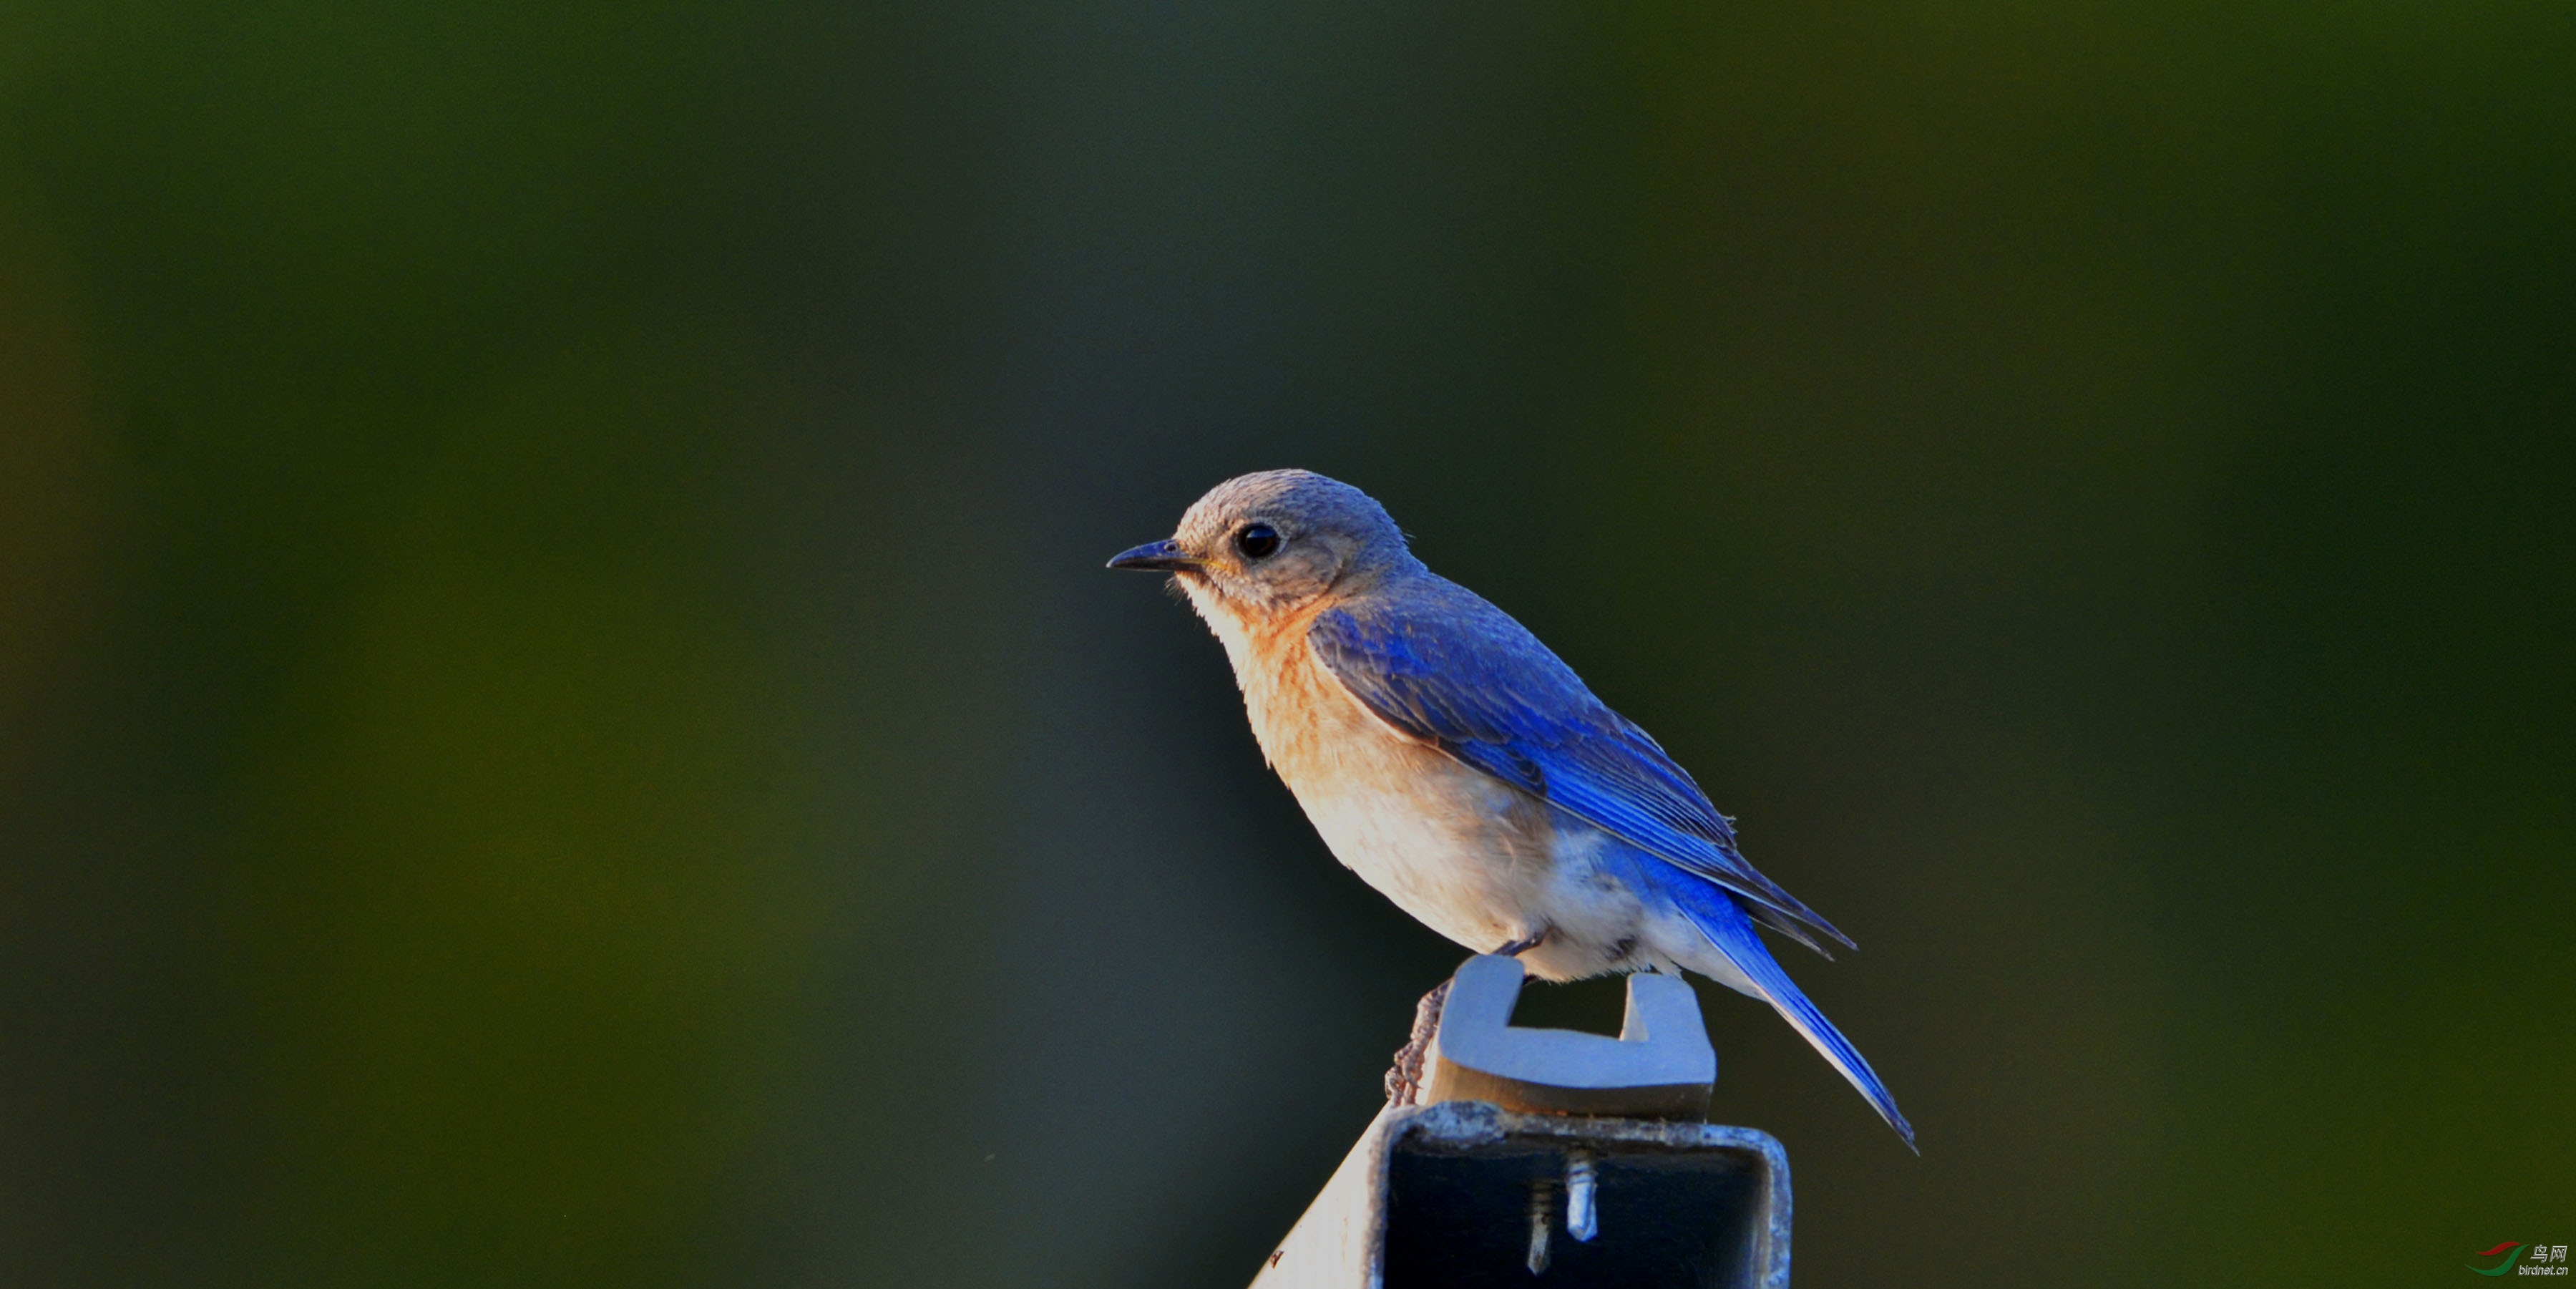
x=561, y=722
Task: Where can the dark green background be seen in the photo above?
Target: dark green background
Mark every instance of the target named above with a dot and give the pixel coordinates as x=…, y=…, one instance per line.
x=561, y=722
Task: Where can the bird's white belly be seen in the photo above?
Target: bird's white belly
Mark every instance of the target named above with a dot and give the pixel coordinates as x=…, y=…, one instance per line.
x=1476, y=859
x=1435, y=839
x=1447, y=851
x=1468, y=855
x=1462, y=852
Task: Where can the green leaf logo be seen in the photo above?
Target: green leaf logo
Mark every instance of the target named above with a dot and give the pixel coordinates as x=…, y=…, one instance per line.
x=2501, y=1267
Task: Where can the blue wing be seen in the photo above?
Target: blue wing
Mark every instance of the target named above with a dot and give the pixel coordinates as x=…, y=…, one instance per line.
x=1453, y=670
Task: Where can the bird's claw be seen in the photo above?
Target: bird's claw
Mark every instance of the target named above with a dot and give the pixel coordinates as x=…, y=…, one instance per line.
x=1405, y=1078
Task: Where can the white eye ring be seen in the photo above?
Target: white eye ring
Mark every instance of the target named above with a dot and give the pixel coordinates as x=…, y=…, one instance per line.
x=1258, y=541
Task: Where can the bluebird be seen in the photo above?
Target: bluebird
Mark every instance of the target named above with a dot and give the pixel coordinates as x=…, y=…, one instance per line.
x=1463, y=770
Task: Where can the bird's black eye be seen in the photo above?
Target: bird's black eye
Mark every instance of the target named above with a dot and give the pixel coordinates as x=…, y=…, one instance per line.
x=1256, y=540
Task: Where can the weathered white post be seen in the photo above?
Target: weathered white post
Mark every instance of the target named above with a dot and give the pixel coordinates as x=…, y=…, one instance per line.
x=1518, y=1126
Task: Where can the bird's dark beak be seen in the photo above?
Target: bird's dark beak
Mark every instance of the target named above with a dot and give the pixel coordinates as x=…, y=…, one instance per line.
x=1159, y=557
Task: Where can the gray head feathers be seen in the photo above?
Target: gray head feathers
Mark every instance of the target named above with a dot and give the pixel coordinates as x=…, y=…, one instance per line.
x=1297, y=503
x=1269, y=541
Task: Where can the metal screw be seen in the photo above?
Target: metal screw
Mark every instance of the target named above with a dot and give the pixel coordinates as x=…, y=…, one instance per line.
x=1582, y=1220
x=1542, y=1205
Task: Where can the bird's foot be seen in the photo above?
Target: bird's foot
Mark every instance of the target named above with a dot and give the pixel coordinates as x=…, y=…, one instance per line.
x=1404, y=1080
x=1518, y=947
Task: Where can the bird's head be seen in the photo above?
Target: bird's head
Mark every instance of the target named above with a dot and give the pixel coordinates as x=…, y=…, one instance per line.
x=1260, y=545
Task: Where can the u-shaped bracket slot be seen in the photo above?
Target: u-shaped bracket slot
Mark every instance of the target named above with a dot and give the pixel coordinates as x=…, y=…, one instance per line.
x=1660, y=1067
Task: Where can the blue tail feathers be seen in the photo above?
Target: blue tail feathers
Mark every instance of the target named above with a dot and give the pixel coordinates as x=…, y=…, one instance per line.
x=1730, y=929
